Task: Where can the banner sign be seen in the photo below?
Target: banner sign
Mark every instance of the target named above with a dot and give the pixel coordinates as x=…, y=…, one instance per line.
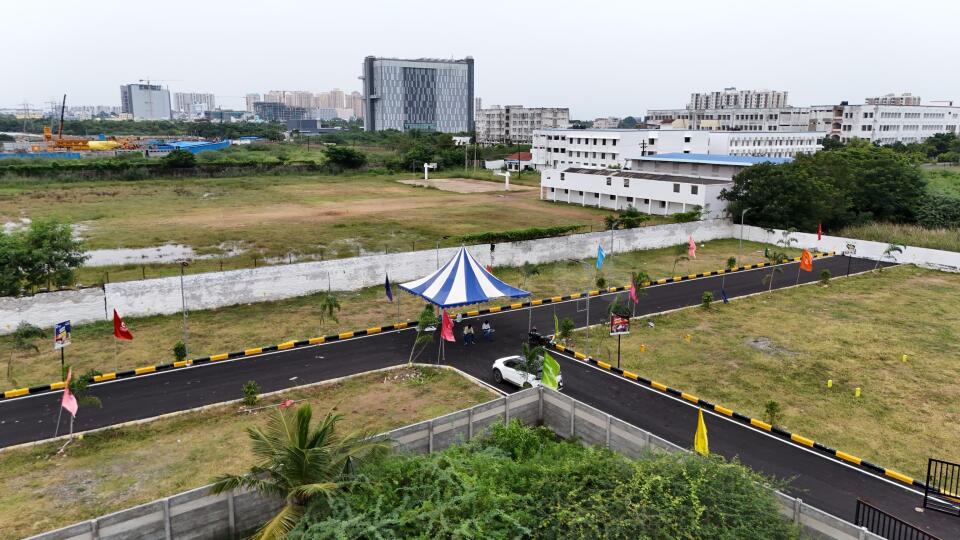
x=61, y=335
x=619, y=325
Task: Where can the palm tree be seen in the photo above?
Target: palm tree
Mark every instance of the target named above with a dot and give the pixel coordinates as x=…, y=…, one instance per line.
x=528, y=270
x=680, y=254
x=775, y=258
x=329, y=307
x=297, y=463
x=426, y=325
x=888, y=253
x=531, y=361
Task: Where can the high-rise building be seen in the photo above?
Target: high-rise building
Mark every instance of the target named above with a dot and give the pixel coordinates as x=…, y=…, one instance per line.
x=355, y=102
x=513, y=124
x=274, y=96
x=426, y=94
x=731, y=98
x=893, y=99
x=191, y=103
x=272, y=111
x=251, y=99
x=145, y=101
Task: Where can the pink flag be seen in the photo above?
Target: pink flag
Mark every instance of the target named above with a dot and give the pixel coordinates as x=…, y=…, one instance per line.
x=69, y=402
x=633, y=291
x=446, y=327
x=692, y=249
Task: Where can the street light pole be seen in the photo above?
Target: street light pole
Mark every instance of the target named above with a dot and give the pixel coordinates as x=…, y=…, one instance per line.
x=740, y=248
x=183, y=300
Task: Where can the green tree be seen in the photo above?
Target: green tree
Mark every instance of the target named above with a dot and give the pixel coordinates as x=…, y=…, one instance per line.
x=298, y=462
x=531, y=360
x=49, y=253
x=888, y=253
x=528, y=270
x=775, y=258
x=329, y=307
x=427, y=324
x=346, y=157
x=12, y=256
x=179, y=159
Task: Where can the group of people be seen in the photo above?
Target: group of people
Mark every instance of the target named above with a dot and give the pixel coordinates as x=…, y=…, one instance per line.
x=469, y=337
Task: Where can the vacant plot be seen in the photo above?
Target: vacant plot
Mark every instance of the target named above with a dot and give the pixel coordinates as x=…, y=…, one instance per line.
x=462, y=185
x=272, y=218
x=118, y=468
x=784, y=347
x=239, y=327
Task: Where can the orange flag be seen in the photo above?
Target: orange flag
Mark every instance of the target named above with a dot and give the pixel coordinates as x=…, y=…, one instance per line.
x=806, y=261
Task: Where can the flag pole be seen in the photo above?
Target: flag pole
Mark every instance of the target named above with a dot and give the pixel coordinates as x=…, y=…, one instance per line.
x=57, y=431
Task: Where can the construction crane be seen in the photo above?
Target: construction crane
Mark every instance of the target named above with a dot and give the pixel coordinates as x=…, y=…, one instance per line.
x=77, y=144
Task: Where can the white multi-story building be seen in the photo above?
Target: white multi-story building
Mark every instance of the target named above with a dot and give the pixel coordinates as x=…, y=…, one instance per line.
x=145, y=101
x=250, y=100
x=515, y=124
x=729, y=119
x=614, y=148
x=894, y=99
x=888, y=124
x=663, y=184
x=731, y=98
x=192, y=103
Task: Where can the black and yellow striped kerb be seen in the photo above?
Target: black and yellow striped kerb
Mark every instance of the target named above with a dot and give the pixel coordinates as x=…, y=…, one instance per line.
x=18, y=392
x=744, y=419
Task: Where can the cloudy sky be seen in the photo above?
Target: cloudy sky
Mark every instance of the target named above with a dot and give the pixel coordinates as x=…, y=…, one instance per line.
x=599, y=58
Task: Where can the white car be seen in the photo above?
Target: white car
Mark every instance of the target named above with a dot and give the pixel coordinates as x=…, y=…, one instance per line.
x=507, y=370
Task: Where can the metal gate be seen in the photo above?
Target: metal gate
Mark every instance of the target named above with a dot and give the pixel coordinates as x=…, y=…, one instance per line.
x=881, y=523
x=942, y=492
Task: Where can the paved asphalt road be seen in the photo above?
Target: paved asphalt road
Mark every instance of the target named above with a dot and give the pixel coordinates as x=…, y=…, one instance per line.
x=823, y=482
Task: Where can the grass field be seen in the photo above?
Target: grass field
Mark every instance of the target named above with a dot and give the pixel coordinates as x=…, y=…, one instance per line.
x=275, y=217
x=239, y=327
x=943, y=179
x=905, y=234
x=115, y=469
x=784, y=347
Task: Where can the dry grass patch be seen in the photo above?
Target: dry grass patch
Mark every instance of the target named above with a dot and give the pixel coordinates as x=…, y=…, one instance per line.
x=118, y=468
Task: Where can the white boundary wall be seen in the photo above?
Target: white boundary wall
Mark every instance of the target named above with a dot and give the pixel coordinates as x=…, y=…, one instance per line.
x=199, y=515
x=218, y=289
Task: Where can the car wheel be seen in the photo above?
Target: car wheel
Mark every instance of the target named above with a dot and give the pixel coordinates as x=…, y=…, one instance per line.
x=497, y=376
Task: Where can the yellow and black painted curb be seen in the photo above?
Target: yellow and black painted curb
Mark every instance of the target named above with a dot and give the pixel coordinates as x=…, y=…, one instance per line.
x=146, y=370
x=743, y=419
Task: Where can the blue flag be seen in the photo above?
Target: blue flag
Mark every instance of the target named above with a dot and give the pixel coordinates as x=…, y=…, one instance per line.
x=387, y=289
x=723, y=294
x=600, y=256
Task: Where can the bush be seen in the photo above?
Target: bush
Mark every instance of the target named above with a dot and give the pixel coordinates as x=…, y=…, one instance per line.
x=346, y=157
x=180, y=351
x=938, y=210
x=773, y=412
x=825, y=276
x=706, y=299
x=685, y=217
x=518, y=235
x=522, y=483
x=179, y=159
x=251, y=393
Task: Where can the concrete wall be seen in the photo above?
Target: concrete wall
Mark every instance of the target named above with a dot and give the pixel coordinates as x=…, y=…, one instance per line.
x=196, y=514
x=269, y=283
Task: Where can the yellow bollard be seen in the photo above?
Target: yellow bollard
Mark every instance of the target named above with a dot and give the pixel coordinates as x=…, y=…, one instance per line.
x=856, y=392
x=903, y=358
x=829, y=383
x=643, y=348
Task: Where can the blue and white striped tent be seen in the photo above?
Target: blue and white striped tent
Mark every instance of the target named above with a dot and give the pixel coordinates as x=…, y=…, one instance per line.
x=460, y=282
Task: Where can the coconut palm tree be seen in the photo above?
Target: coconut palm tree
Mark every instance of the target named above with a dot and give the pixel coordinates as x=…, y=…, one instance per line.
x=329, y=307
x=298, y=463
x=888, y=253
x=775, y=258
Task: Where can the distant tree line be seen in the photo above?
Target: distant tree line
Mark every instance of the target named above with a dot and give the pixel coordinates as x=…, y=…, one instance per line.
x=201, y=128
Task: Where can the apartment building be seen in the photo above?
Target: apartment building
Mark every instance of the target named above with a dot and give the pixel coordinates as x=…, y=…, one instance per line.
x=889, y=124
x=731, y=98
x=663, y=184
x=145, y=101
x=894, y=99
x=608, y=122
x=515, y=124
x=191, y=104
x=614, y=148
x=730, y=119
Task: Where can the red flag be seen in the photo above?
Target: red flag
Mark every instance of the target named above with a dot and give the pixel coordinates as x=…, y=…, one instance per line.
x=446, y=327
x=692, y=248
x=69, y=402
x=489, y=269
x=819, y=231
x=806, y=261
x=633, y=291
x=120, y=330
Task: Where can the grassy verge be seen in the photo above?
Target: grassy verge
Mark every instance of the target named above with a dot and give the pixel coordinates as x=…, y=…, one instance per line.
x=239, y=327
x=118, y=468
x=783, y=347
x=907, y=235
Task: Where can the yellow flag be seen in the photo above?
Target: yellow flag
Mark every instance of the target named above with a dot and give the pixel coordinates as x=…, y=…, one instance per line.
x=700, y=439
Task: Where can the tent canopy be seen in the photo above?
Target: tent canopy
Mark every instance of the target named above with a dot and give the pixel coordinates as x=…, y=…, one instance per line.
x=460, y=282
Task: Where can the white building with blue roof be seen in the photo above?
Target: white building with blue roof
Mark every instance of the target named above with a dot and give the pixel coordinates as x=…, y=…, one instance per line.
x=661, y=184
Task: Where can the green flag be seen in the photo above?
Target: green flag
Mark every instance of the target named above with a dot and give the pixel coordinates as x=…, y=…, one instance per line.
x=556, y=329
x=551, y=370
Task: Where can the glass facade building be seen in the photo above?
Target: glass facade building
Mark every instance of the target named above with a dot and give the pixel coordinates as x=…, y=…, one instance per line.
x=423, y=94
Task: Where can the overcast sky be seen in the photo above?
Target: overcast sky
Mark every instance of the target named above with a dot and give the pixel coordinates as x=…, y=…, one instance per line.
x=597, y=57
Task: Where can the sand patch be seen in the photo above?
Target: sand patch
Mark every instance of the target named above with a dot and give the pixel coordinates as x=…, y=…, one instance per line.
x=463, y=185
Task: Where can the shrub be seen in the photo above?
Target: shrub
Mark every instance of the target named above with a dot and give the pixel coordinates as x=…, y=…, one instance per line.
x=180, y=351
x=518, y=235
x=773, y=412
x=601, y=281
x=684, y=217
x=825, y=276
x=251, y=393
x=345, y=157
x=706, y=299
x=179, y=159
